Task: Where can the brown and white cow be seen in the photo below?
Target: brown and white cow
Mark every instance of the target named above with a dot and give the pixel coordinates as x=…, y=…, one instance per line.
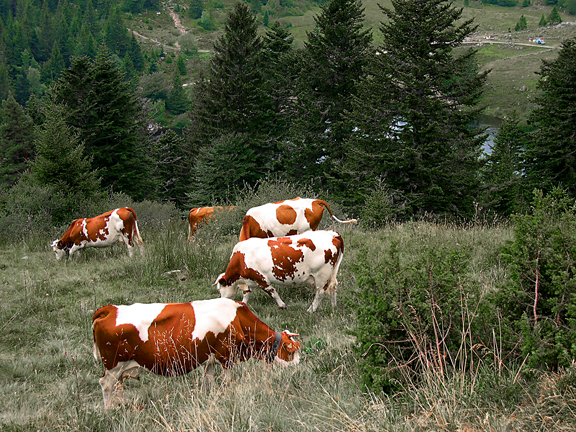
x=312, y=258
x=115, y=226
x=174, y=338
x=283, y=218
x=201, y=214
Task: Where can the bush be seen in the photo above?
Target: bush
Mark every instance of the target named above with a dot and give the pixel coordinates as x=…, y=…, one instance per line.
x=538, y=302
x=415, y=313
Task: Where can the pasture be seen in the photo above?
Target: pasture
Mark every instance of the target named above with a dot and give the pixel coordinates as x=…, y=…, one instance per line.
x=49, y=377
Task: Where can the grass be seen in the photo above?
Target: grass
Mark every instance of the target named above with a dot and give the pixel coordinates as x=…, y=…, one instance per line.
x=49, y=378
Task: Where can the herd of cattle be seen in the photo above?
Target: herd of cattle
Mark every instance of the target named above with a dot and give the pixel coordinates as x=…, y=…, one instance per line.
x=279, y=244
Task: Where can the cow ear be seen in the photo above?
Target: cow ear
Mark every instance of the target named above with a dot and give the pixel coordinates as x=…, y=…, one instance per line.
x=220, y=279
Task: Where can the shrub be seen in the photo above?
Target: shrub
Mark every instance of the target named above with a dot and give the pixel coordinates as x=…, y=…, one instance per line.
x=538, y=302
x=415, y=313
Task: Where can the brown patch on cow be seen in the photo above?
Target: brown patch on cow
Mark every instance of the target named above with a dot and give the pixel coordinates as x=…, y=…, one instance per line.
x=286, y=215
x=169, y=347
x=308, y=243
x=330, y=257
x=97, y=227
x=314, y=216
x=284, y=257
x=251, y=228
x=237, y=269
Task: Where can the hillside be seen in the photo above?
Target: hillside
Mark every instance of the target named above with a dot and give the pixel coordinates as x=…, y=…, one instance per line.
x=512, y=56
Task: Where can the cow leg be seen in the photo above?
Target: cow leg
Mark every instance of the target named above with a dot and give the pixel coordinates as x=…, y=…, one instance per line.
x=317, y=298
x=111, y=382
x=272, y=293
x=75, y=248
x=208, y=377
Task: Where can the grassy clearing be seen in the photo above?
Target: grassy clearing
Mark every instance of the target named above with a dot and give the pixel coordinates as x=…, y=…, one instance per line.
x=49, y=378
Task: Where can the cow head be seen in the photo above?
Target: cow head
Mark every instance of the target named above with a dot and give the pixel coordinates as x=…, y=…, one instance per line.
x=60, y=250
x=227, y=289
x=288, y=351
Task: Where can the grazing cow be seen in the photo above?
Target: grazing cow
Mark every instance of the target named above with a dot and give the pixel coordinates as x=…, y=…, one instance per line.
x=283, y=218
x=200, y=214
x=174, y=338
x=311, y=258
x=101, y=231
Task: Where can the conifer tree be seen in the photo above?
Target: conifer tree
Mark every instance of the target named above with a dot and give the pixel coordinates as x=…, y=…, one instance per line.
x=554, y=17
x=503, y=189
x=231, y=106
x=196, y=9
x=111, y=121
x=177, y=101
x=281, y=70
x=412, y=113
x=333, y=60
x=543, y=21
x=172, y=168
x=551, y=154
x=16, y=141
x=60, y=159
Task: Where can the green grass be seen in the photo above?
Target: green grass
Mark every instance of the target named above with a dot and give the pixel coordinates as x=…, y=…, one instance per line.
x=49, y=378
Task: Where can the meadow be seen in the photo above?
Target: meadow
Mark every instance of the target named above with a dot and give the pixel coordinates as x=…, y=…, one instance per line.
x=49, y=377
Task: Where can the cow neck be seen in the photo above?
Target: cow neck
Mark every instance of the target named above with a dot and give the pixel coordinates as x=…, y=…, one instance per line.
x=275, y=346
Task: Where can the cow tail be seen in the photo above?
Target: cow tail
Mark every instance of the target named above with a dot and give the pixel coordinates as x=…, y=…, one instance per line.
x=327, y=207
x=333, y=282
x=136, y=233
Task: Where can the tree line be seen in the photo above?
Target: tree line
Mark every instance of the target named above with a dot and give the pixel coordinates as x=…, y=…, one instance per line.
x=387, y=130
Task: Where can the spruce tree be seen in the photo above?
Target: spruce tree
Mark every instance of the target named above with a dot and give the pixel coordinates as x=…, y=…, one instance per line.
x=554, y=17
x=412, y=113
x=16, y=141
x=102, y=106
x=60, y=159
x=333, y=60
x=196, y=9
x=503, y=188
x=232, y=100
x=551, y=154
x=231, y=105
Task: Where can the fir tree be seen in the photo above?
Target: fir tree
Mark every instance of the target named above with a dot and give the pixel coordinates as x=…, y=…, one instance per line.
x=231, y=105
x=522, y=24
x=503, y=190
x=60, y=159
x=16, y=141
x=172, y=168
x=543, y=21
x=413, y=111
x=333, y=61
x=111, y=121
x=177, y=101
x=551, y=154
x=196, y=9
x=554, y=17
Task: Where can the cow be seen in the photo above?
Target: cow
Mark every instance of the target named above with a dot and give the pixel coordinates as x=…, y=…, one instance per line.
x=172, y=339
x=200, y=214
x=312, y=258
x=283, y=218
x=115, y=226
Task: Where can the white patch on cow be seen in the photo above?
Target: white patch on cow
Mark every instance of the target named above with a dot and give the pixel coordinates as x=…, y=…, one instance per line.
x=140, y=316
x=213, y=316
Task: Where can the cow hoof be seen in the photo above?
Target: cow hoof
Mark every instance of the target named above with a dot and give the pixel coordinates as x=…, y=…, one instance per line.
x=283, y=307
